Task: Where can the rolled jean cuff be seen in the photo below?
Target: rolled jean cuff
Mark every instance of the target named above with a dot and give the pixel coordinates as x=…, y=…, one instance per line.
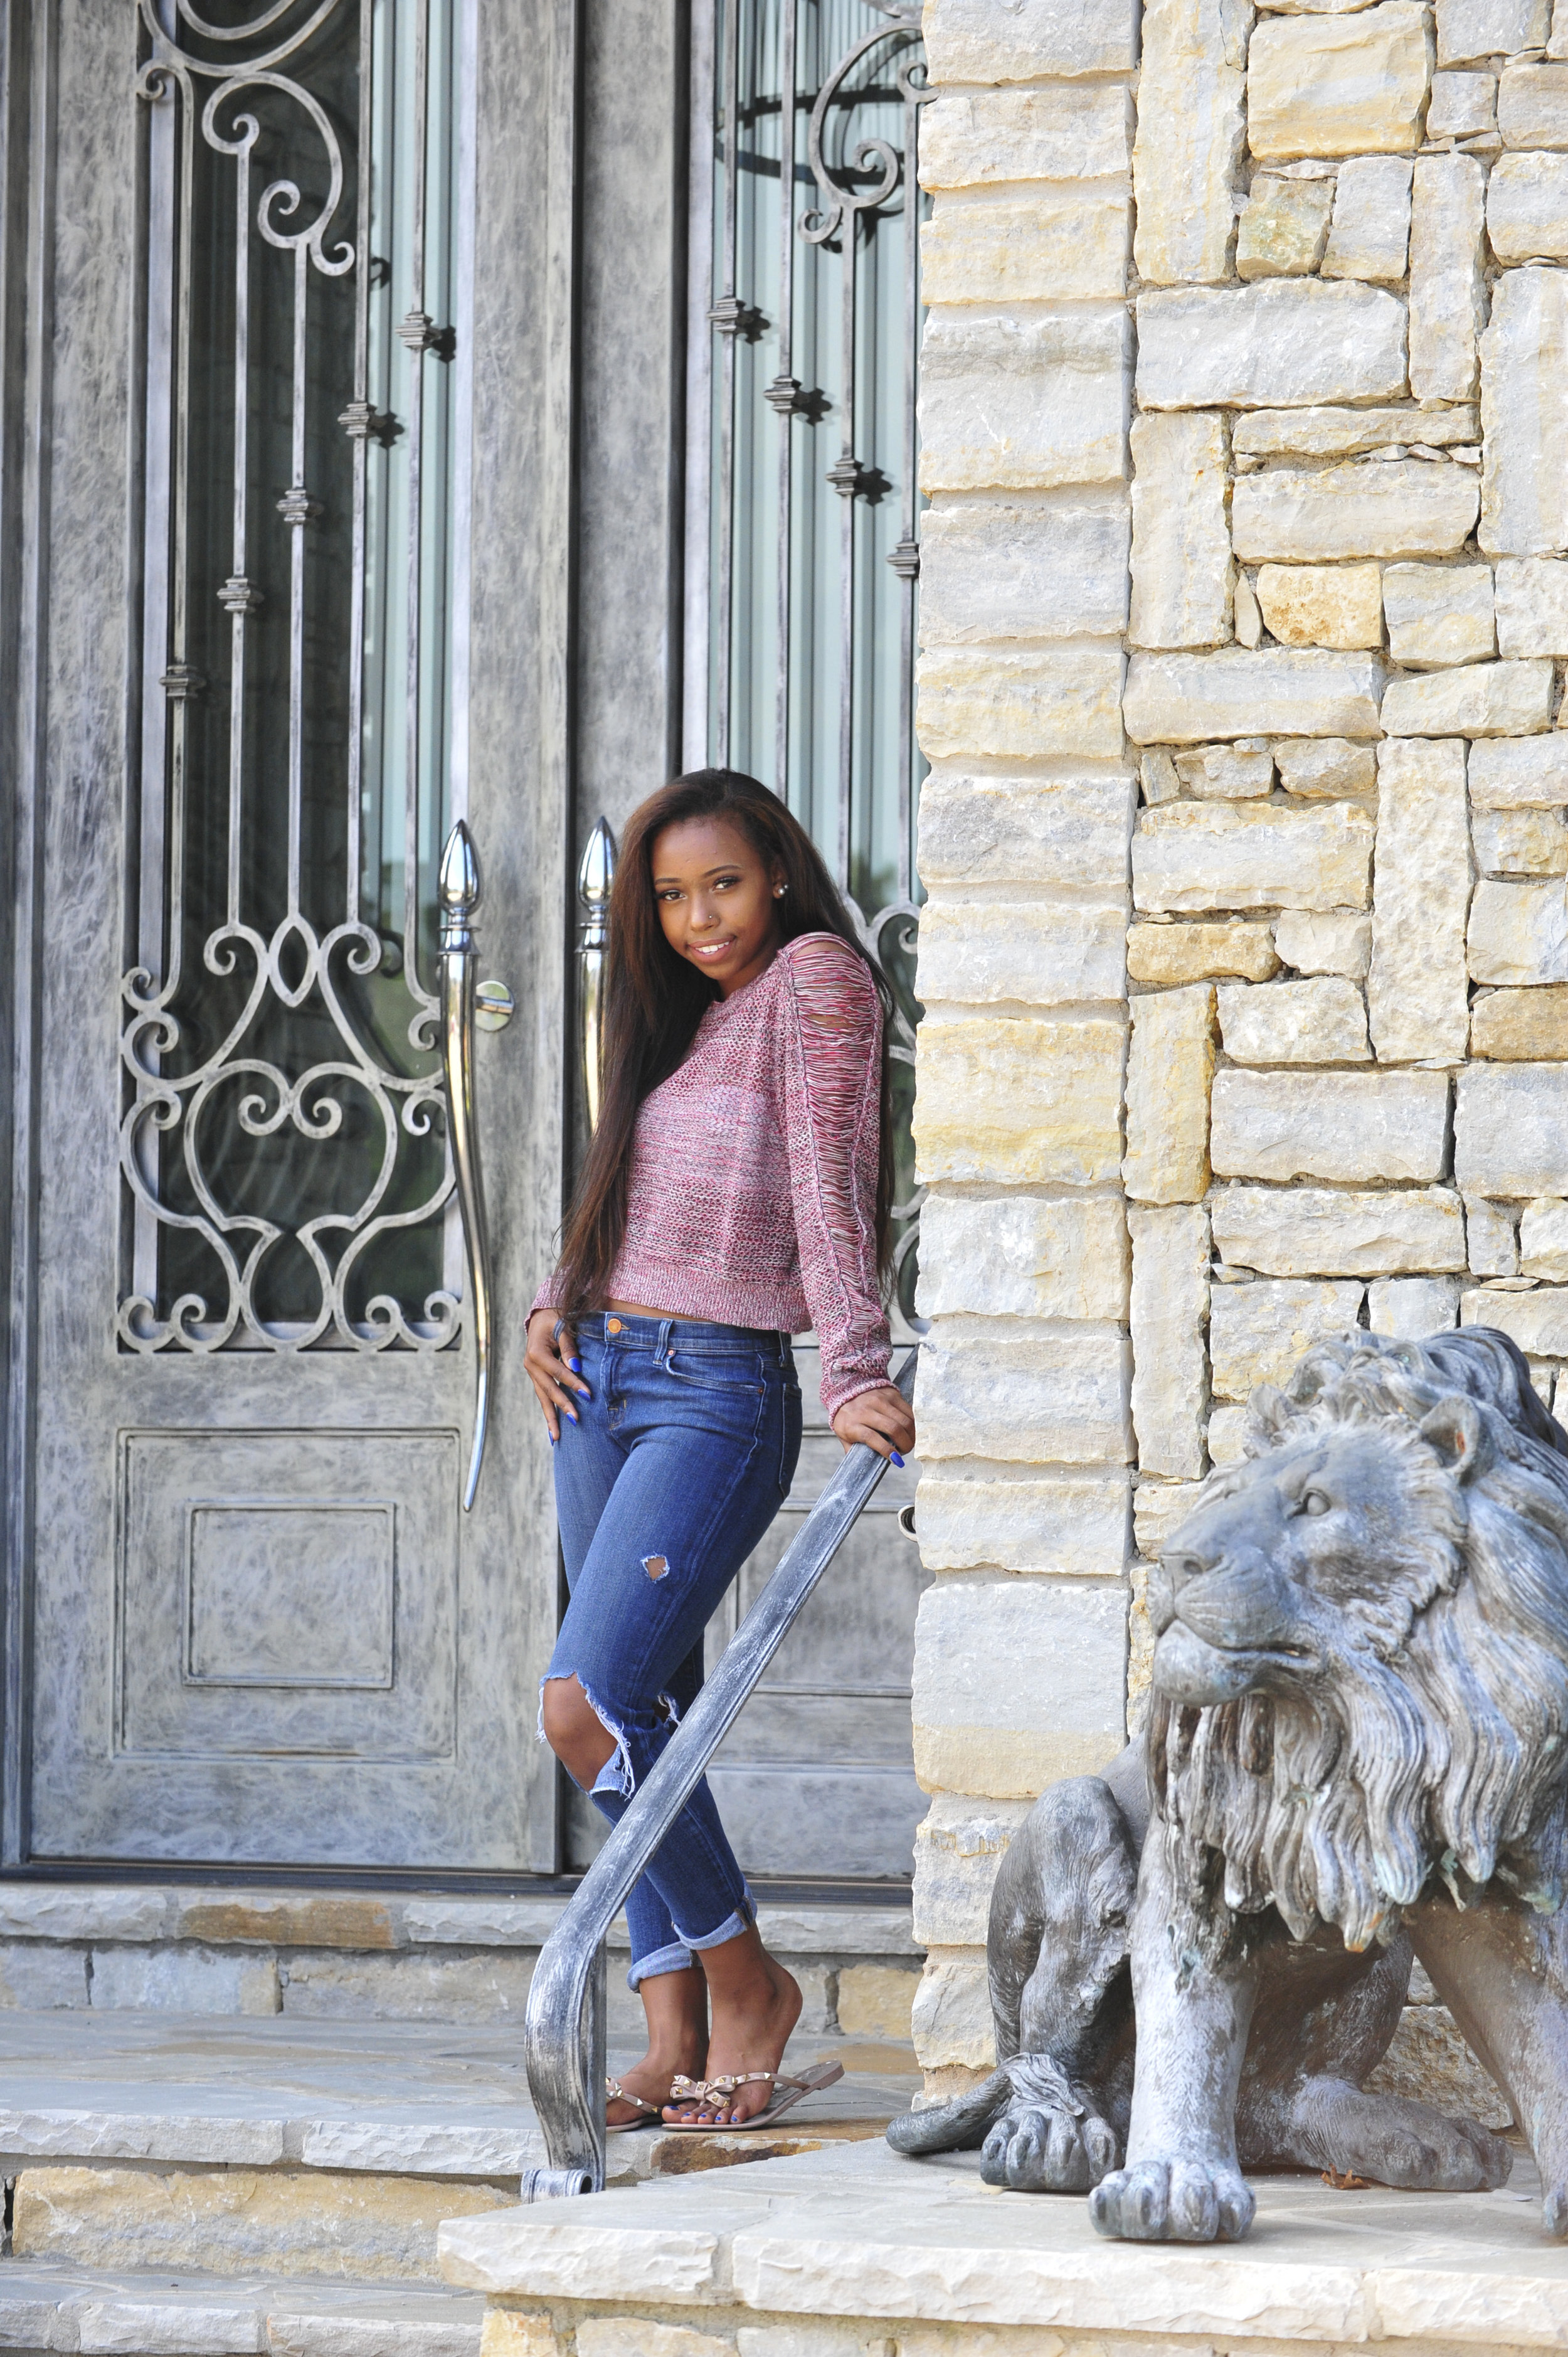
x=742, y=1920
x=676, y=1958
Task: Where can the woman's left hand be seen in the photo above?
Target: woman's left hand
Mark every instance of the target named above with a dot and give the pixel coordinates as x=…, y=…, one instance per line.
x=883, y=1419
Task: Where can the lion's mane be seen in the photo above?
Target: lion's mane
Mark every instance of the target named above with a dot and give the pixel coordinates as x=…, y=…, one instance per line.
x=1436, y=1742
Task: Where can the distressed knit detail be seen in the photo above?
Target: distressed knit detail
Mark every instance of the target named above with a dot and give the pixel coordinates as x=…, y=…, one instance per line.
x=752, y=1193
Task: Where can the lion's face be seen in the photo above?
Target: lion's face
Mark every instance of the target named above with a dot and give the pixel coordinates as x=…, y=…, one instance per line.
x=1295, y=1562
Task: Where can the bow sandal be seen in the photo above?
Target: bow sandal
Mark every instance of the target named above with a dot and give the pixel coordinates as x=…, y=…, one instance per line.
x=716, y=2094
x=616, y=2093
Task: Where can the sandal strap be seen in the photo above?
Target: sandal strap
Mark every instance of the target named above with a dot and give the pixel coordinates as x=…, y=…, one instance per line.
x=707, y=2095
x=616, y=2093
x=717, y=2093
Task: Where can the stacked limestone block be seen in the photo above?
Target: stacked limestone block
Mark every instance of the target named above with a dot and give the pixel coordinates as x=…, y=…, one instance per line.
x=1321, y=1075
x=1023, y=1511
x=1346, y=620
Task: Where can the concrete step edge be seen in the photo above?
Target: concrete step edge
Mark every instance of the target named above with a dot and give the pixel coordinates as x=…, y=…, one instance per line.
x=232, y=2134
x=83, y=2313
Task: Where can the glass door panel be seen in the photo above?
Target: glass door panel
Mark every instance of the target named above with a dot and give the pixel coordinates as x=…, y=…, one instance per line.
x=283, y=1145
x=812, y=550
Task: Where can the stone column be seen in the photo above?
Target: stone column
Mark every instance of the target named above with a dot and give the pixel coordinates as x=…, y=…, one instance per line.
x=1025, y=820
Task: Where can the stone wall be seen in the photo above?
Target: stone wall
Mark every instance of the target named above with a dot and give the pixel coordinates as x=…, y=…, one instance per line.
x=351, y=1956
x=1246, y=965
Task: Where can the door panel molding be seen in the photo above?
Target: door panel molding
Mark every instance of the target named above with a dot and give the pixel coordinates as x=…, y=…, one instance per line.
x=232, y=1608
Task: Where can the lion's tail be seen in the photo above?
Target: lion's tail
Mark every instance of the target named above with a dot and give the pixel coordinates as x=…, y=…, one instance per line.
x=956, y=2127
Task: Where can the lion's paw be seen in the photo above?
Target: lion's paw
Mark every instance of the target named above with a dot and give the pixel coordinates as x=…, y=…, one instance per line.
x=1174, y=2200
x=1456, y=2156
x=1397, y=2142
x=1046, y=2148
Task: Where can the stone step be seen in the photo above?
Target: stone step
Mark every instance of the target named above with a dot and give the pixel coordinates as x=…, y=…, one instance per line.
x=142, y=2313
x=839, y=2254
x=335, y=2149
x=359, y=2226
x=435, y=2099
x=407, y=2099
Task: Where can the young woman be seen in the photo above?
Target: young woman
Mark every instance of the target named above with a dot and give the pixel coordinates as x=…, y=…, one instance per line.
x=736, y=1190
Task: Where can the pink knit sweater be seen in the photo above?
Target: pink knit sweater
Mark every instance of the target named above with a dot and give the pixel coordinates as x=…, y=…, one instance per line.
x=753, y=1184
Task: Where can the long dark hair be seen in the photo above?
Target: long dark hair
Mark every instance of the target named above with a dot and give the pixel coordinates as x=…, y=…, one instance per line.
x=654, y=1000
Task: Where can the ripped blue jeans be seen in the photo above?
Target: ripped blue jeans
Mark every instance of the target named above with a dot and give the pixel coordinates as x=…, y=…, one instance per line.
x=679, y=1460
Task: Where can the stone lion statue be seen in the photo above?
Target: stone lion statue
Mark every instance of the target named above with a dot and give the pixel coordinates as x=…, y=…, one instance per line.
x=1355, y=1752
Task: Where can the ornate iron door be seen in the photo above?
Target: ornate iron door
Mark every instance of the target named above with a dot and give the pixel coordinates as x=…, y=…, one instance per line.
x=809, y=511
x=249, y=1619
x=803, y=550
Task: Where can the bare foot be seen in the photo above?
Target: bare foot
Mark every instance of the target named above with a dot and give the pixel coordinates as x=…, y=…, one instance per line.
x=676, y=2004
x=755, y=2005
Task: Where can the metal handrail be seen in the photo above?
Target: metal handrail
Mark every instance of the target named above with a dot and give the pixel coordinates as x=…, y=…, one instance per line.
x=563, y=2036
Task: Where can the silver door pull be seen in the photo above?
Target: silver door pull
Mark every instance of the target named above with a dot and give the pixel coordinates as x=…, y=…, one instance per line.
x=460, y=892
x=595, y=877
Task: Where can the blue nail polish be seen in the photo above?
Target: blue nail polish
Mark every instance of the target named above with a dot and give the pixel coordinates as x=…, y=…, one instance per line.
x=575, y=1365
x=895, y=1458
x=573, y=1413
x=554, y=1438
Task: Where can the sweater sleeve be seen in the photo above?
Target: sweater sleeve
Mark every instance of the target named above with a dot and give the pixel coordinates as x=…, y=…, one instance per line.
x=831, y=1090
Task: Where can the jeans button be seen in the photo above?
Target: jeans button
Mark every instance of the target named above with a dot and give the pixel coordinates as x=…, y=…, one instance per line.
x=612, y=1325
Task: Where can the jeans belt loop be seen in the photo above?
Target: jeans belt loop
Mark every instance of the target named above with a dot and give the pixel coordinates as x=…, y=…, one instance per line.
x=661, y=1347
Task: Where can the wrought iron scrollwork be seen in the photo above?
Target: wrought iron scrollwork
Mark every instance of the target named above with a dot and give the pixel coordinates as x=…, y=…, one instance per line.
x=892, y=936
x=264, y=1099
x=261, y=1004
x=839, y=195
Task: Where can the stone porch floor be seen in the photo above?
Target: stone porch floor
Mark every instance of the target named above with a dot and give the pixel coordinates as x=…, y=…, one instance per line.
x=200, y=2186
x=853, y=2252
x=432, y=2098
x=838, y=2250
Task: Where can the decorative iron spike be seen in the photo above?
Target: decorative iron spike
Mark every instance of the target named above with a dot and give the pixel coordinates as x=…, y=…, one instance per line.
x=783, y=395
x=297, y=507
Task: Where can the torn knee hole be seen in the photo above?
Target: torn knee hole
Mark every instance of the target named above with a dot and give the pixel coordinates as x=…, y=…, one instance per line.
x=616, y=1774
x=655, y=1566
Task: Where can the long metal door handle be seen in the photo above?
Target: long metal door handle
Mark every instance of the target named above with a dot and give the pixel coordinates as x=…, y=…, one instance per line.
x=595, y=877
x=460, y=892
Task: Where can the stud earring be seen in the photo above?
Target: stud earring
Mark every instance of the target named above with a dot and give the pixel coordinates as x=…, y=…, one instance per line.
x=780, y=890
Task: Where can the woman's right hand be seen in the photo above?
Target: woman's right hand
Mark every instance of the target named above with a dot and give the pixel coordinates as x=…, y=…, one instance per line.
x=553, y=1368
